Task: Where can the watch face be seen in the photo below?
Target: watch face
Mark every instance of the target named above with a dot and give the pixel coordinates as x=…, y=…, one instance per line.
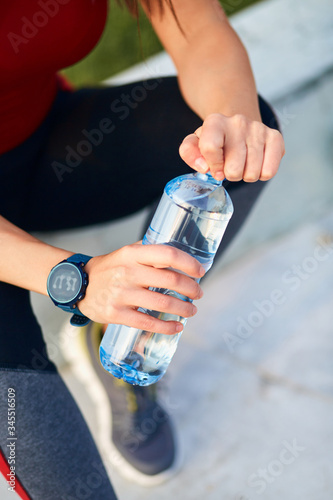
x=65, y=282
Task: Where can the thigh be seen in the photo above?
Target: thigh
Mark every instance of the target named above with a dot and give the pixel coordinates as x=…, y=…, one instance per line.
x=50, y=446
x=53, y=451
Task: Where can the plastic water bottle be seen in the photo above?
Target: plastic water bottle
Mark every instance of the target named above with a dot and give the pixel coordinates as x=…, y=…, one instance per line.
x=192, y=215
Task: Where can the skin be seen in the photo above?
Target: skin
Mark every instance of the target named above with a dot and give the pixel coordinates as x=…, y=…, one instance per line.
x=216, y=81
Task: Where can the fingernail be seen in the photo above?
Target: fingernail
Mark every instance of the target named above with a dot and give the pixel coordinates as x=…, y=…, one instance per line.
x=219, y=175
x=195, y=310
x=202, y=270
x=179, y=328
x=201, y=164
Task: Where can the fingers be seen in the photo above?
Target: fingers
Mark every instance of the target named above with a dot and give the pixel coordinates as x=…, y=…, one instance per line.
x=168, y=279
x=142, y=321
x=211, y=145
x=234, y=147
x=123, y=281
x=165, y=256
x=274, y=151
x=120, y=305
x=190, y=153
x=254, y=161
x=161, y=302
x=256, y=136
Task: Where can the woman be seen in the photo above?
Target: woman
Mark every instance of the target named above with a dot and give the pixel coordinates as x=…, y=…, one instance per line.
x=65, y=159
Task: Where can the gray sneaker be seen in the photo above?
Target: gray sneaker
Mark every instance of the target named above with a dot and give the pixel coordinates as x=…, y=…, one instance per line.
x=136, y=433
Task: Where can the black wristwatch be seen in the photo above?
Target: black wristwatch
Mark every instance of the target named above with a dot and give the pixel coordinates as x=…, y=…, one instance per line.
x=67, y=284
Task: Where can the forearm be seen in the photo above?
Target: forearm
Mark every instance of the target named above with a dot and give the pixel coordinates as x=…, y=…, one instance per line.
x=26, y=261
x=216, y=76
x=213, y=68
x=216, y=80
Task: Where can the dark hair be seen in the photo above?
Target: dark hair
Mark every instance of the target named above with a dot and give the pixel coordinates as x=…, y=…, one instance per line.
x=133, y=6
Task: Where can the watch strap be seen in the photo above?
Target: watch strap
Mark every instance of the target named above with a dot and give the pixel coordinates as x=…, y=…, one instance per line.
x=78, y=319
x=77, y=258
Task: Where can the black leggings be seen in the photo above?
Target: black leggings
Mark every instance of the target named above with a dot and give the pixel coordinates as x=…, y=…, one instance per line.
x=101, y=154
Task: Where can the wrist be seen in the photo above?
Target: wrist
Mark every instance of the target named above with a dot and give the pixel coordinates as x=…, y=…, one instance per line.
x=26, y=261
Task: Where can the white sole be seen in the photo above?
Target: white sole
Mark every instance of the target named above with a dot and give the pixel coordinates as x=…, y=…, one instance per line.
x=84, y=372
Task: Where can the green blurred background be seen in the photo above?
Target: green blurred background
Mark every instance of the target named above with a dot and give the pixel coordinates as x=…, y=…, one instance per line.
x=120, y=45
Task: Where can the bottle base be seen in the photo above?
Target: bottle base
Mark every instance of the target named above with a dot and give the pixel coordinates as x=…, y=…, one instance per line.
x=129, y=369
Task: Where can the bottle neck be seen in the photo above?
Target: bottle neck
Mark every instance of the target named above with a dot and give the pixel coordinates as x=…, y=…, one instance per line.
x=209, y=178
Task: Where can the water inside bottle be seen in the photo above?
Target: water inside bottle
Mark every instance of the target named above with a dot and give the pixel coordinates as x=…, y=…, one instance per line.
x=191, y=216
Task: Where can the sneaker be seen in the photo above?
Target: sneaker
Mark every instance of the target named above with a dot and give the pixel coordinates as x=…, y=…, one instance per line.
x=136, y=434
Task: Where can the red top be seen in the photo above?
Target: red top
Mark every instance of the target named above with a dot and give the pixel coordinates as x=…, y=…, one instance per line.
x=37, y=39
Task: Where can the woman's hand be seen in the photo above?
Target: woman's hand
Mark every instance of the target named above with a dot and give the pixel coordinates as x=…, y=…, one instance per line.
x=119, y=284
x=235, y=148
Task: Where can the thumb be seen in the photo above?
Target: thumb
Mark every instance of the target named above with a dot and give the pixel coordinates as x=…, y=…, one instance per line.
x=189, y=151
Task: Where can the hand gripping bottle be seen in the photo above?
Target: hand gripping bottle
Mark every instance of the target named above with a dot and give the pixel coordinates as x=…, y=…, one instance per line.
x=192, y=215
